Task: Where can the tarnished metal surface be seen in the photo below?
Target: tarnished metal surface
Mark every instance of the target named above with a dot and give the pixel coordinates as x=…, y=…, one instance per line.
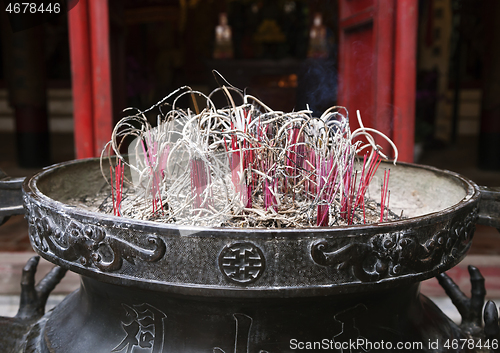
x=162, y=288
x=11, y=197
x=148, y=321
x=489, y=207
x=230, y=262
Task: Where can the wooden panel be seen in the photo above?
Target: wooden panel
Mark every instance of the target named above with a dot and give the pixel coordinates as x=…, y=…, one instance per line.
x=357, y=74
x=351, y=8
x=370, y=52
x=358, y=19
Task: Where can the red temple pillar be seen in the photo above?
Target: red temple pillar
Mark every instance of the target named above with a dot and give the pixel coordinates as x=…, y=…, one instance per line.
x=91, y=76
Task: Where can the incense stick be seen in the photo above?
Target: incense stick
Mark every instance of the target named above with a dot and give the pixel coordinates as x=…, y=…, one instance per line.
x=245, y=165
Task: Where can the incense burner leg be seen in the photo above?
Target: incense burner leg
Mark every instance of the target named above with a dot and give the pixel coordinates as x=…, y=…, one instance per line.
x=491, y=324
x=471, y=311
x=14, y=331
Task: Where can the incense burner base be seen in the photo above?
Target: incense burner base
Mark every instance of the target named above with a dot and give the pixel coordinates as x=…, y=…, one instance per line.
x=113, y=318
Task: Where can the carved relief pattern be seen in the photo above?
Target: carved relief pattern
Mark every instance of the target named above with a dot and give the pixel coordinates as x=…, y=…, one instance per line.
x=242, y=262
x=87, y=244
x=398, y=253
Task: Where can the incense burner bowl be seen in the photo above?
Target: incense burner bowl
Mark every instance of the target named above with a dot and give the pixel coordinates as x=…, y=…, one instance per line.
x=152, y=287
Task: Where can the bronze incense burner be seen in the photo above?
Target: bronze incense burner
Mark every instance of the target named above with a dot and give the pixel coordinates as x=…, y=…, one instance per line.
x=151, y=287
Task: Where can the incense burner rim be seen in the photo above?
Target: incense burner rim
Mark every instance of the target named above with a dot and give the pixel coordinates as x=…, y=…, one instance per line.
x=284, y=262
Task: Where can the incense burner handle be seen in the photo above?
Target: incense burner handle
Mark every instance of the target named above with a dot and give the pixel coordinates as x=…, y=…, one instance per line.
x=489, y=206
x=11, y=197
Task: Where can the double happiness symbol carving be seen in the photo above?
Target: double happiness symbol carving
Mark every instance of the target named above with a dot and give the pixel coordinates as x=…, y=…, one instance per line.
x=242, y=263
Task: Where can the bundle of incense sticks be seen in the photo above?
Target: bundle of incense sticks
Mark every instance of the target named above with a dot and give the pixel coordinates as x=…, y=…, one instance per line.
x=247, y=165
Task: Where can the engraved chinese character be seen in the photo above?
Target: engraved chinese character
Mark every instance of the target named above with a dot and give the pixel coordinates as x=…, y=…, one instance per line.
x=144, y=328
x=349, y=332
x=242, y=335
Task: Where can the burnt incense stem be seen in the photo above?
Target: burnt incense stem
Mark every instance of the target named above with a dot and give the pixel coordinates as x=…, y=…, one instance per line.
x=199, y=182
x=117, y=187
x=384, y=203
x=257, y=166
